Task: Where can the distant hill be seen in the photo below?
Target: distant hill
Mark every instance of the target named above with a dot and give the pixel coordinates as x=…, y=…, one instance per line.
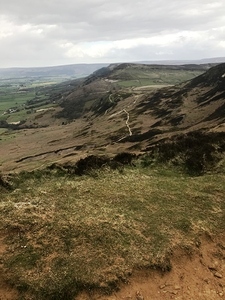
x=126, y=79
x=71, y=71
x=215, y=60
x=196, y=104
x=82, y=70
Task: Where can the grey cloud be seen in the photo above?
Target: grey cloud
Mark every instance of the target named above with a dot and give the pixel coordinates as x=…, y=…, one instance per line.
x=72, y=23
x=155, y=14
x=182, y=51
x=28, y=50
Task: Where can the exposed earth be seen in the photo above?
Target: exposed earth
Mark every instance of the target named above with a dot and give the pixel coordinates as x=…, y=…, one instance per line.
x=195, y=275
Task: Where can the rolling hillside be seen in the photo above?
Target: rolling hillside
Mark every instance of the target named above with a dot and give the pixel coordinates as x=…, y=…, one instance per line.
x=117, y=191
x=102, y=116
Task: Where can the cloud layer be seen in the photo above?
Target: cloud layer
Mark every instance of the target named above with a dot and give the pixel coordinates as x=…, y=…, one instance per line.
x=54, y=32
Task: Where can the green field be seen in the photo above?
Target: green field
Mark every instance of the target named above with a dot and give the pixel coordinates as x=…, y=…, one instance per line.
x=137, y=77
x=23, y=95
x=14, y=99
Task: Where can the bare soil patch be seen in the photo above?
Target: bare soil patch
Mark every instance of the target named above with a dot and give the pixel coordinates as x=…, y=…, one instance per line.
x=197, y=273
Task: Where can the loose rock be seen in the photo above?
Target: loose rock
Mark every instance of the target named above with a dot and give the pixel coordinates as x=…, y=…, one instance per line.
x=139, y=296
x=218, y=275
x=162, y=286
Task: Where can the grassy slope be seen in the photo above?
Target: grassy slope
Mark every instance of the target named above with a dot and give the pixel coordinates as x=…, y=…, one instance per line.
x=137, y=75
x=65, y=233
x=46, y=89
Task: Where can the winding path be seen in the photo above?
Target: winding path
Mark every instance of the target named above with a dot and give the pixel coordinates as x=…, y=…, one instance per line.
x=127, y=122
x=123, y=111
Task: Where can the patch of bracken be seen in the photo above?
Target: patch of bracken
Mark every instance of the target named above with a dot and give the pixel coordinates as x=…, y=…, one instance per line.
x=4, y=183
x=93, y=162
x=197, y=151
x=124, y=158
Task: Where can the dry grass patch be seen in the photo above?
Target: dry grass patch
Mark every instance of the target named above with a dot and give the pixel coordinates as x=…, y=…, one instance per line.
x=68, y=233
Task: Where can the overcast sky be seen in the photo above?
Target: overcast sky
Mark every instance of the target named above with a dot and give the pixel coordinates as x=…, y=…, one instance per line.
x=57, y=32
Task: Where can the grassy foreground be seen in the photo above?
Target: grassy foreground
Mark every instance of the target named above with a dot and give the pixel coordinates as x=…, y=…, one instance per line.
x=62, y=234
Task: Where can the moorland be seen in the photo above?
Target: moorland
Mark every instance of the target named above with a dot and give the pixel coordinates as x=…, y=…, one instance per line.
x=112, y=185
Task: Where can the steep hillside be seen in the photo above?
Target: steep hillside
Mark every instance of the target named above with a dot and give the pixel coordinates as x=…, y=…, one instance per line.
x=134, y=115
x=126, y=79
x=198, y=104
x=100, y=116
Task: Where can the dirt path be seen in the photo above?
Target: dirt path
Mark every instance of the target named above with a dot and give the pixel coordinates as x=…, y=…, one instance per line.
x=127, y=122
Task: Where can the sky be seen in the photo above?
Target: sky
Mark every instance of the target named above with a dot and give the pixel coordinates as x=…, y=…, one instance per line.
x=54, y=32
